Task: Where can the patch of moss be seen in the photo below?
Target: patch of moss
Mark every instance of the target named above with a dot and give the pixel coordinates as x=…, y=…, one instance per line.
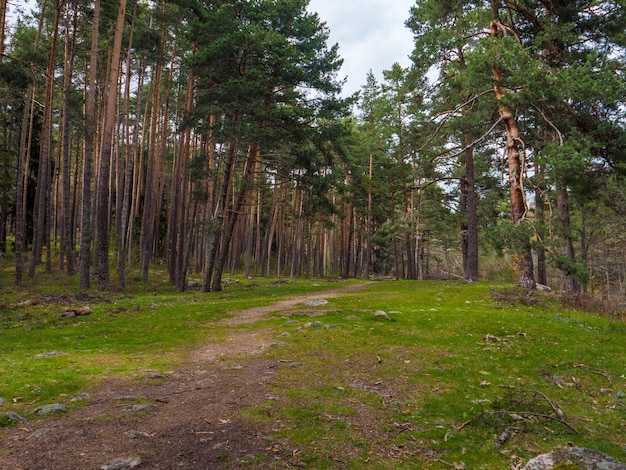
x=566, y=466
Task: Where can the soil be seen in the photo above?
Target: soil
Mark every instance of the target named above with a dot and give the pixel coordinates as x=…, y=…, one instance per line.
x=190, y=417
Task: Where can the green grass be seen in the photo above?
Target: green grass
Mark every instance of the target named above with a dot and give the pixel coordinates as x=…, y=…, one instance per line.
x=430, y=385
x=453, y=376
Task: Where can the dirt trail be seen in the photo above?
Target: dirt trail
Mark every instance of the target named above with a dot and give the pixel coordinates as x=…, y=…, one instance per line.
x=190, y=418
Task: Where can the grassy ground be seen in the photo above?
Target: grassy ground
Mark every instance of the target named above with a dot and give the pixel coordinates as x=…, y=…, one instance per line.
x=459, y=374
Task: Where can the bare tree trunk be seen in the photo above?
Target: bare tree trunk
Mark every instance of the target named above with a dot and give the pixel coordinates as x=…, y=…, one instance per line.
x=219, y=219
x=515, y=156
x=67, y=248
x=176, y=230
x=102, y=193
x=90, y=127
x=42, y=192
x=471, y=208
x=563, y=211
x=228, y=228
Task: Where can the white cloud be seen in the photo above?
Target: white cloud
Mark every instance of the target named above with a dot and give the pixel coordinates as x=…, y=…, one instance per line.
x=371, y=35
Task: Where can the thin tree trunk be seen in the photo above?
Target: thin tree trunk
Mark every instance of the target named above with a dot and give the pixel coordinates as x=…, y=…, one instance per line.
x=42, y=192
x=67, y=227
x=90, y=127
x=563, y=211
x=102, y=194
x=471, y=265
x=232, y=220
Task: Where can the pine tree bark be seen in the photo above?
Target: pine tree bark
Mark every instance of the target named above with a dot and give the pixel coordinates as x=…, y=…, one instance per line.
x=523, y=260
x=471, y=209
x=67, y=228
x=102, y=192
x=90, y=128
x=42, y=193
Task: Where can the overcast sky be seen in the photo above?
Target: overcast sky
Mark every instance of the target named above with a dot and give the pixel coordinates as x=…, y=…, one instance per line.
x=371, y=35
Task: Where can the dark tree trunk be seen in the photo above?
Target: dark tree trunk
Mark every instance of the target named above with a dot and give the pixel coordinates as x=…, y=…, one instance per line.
x=102, y=193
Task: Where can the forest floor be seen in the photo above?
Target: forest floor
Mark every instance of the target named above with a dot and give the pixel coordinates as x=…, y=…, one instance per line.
x=184, y=419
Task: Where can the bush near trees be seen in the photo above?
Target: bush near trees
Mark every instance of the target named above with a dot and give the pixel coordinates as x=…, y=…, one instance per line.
x=210, y=136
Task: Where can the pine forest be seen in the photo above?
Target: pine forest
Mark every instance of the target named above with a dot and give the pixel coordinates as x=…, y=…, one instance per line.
x=210, y=137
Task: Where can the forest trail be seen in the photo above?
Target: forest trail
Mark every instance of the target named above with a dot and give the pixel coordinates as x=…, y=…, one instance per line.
x=185, y=419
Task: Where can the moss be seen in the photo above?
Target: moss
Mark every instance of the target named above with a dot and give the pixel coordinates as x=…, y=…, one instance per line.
x=566, y=466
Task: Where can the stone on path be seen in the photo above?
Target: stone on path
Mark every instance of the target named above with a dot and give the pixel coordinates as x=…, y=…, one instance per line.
x=582, y=459
x=50, y=409
x=121, y=463
x=13, y=417
x=315, y=302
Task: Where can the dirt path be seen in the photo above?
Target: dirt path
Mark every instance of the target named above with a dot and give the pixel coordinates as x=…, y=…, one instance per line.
x=189, y=418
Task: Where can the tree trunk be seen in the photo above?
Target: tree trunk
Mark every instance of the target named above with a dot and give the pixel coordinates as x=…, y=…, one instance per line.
x=102, y=193
x=567, y=250
x=229, y=226
x=90, y=129
x=522, y=258
x=471, y=209
x=67, y=228
x=42, y=192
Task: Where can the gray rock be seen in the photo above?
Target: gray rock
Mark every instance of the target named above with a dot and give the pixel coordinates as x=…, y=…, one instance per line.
x=2, y=400
x=381, y=314
x=315, y=302
x=543, y=288
x=50, y=409
x=13, y=417
x=121, y=463
x=50, y=354
x=352, y=318
x=79, y=397
x=314, y=324
x=284, y=335
x=139, y=408
x=585, y=459
x=280, y=344
x=39, y=433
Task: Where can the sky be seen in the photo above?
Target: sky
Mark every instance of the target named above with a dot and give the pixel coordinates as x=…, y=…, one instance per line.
x=371, y=36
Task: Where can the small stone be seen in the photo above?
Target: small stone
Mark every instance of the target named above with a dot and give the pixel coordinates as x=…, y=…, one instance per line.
x=381, y=314
x=133, y=434
x=157, y=377
x=313, y=324
x=620, y=395
x=50, y=354
x=39, y=433
x=2, y=400
x=295, y=365
x=12, y=417
x=280, y=344
x=315, y=302
x=121, y=463
x=284, y=335
x=352, y=318
x=50, y=409
x=79, y=397
x=141, y=408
